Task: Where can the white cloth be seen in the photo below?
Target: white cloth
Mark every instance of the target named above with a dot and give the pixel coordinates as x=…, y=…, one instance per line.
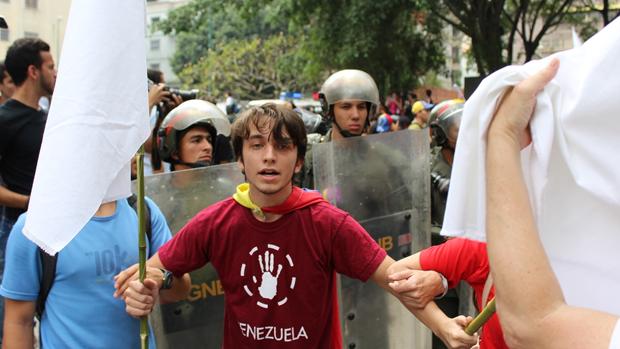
x=572, y=169
x=97, y=120
x=615, y=337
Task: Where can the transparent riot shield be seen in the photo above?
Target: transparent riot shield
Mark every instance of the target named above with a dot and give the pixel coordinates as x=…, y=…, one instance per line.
x=383, y=181
x=198, y=321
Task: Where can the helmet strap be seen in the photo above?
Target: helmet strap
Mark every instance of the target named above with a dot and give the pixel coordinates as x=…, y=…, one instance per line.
x=197, y=164
x=345, y=133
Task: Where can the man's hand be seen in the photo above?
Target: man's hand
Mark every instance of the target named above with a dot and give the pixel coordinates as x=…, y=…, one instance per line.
x=158, y=94
x=141, y=298
x=452, y=333
x=512, y=118
x=416, y=288
x=125, y=277
x=174, y=101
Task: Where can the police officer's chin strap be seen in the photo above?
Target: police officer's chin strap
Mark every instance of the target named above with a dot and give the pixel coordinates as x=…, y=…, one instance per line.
x=344, y=133
x=197, y=164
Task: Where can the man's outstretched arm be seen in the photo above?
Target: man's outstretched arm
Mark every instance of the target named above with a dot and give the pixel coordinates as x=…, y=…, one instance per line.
x=451, y=331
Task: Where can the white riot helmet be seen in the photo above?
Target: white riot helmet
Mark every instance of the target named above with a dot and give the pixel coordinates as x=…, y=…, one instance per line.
x=349, y=84
x=189, y=114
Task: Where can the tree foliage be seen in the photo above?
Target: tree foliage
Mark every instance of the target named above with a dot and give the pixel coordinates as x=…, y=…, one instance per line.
x=252, y=68
x=608, y=10
x=202, y=25
x=383, y=37
x=482, y=22
x=536, y=18
x=494, y=25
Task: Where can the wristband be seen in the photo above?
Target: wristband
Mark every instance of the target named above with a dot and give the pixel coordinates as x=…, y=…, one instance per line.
x=444, y=283
x=166, y=279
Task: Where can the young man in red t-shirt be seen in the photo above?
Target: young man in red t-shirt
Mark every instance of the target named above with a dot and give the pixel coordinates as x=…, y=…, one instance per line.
x=274, y=246
x=456, y=259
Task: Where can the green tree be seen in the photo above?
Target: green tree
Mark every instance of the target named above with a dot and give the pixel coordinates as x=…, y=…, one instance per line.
x=202, y=25
x=385, y=38
x=253, y=68
x=537, y=18
x=493, y=26
x=608, y=10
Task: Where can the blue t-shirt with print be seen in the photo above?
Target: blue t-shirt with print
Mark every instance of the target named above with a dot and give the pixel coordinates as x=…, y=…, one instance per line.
x=80, y=311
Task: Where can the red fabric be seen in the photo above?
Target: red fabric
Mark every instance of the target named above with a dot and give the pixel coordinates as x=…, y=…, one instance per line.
x=296, y=200
x=467, y=260
x=309, y=243
x=336, y=329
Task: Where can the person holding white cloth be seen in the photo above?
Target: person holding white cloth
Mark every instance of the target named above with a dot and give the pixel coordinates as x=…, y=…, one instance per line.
x=537, y=175
x=530, y=301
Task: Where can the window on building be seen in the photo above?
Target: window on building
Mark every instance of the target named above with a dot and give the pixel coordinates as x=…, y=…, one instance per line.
x=155, y=19
x=31, y=35
x=4, y=0
x=4, y=35
x=155, y=45
x=155, y=66
x=32, y=3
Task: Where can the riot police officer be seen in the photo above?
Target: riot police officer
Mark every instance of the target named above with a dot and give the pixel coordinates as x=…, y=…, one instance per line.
x=348, y=98
x=188, y=135
x=444, y=122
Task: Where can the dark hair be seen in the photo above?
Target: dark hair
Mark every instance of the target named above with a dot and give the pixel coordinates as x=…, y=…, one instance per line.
x=154, y=75
x=403, y=122
x=22, y=54
x=273, y=119
x=2, y=71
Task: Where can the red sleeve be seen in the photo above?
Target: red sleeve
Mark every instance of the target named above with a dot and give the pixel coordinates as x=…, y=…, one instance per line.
x=354, y=252
x=457, y=259
x=188, y=249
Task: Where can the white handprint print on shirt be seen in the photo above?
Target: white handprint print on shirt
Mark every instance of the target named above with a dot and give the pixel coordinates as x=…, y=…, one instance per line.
x=269, y=283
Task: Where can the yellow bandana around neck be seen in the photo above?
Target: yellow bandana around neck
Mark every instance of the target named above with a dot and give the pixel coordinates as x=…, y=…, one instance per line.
x=242, y=196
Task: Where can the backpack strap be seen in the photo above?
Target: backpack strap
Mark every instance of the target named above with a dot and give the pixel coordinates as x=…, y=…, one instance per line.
x=48, y=262
x=48, y=274
x=133, y=202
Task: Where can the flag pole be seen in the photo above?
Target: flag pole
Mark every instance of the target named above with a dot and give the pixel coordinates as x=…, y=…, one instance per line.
x=481, y=319
x=144, y=327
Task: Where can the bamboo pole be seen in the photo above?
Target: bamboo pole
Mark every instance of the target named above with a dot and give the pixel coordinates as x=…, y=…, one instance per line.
x=144, y=326
x=481, y=319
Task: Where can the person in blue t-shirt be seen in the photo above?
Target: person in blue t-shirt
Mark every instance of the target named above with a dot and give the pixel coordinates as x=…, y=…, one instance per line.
x=80, y=310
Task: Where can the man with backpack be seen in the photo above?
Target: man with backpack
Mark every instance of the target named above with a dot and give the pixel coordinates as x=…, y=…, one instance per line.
x=72, y=292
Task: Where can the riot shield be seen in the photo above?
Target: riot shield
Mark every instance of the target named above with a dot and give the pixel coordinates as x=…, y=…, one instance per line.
x=196, y=322
x=383, y=182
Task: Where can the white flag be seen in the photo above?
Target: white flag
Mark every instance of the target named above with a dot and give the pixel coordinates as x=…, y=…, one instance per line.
x=572, y=168
x=97, y=120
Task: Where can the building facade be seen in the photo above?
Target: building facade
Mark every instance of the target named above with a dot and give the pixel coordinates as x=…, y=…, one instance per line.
x=47, y=20
x=160, y=47
x=44, y=19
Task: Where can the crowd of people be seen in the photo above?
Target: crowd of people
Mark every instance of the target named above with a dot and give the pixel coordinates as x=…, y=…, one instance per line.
x=270, y=226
